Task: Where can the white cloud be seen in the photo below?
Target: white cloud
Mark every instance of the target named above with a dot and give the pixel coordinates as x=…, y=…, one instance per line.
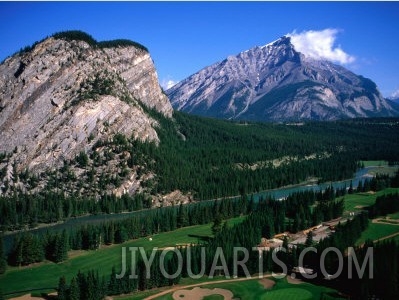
x=168, y=83
x=395, y=94
x=320, y=45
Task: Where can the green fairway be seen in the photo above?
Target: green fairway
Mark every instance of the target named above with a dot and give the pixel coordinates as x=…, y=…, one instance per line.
x=376, y=231
x=46, y=275
x=382, y=167
x=388, y=170
x=288, y=294
x=373, y=163
x=394, y=216
x=252, y=289
x=356, y=201
x=213, y=297
x=183, y=282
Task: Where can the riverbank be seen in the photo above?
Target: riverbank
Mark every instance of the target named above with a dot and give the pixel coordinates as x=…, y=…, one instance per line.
x=277, y=193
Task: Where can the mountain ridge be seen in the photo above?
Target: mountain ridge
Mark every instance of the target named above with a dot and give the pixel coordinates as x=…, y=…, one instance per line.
x=228, y=89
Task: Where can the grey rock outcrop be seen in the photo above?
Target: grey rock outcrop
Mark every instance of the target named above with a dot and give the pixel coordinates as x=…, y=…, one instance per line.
x=61, y=97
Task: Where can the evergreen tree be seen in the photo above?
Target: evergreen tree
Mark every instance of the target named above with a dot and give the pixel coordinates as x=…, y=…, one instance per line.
x=113, y=287
x=74, y=290
x=309, y=239
x=82, y=159
x=27, y=249
x=83, y=286
x=62, y=289
x=3, y=262
x=61, y=247
x=285, y=242
x=94, y=290
x=103, y=289
x=16, y=258
x=350, y=191
x=173, y=265
x=109, y=235
x=360, y=186
x=182, y=216
x=120, y=234
x=217, y=224
x=296, y=225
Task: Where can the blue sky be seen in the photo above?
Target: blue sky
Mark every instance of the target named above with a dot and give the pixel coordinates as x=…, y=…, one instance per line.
x=184, y=37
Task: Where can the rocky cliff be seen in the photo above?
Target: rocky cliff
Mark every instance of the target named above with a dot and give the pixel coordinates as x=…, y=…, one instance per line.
x=277, y=83
x=66, y=95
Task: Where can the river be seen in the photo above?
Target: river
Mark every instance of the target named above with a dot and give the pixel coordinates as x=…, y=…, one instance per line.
x=279, y=193
x=284, y=192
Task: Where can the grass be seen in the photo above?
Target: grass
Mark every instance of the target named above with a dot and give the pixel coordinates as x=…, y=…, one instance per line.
x=252, y=289
x=286, y=291
x=288, y=294
x=46, y=275
x=183, y=282
x=213, y=297
x=353, y=202
x=376, y=231
x=382, y=167
x=372, y=163
x=391, y=171
x=393, y=222
x=394, y=216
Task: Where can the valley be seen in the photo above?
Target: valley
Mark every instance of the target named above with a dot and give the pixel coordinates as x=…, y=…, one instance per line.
x=42, y=275
x=106, y=190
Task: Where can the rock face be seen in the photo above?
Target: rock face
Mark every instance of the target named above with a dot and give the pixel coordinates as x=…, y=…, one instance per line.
x=277, y=83
x=64, y=95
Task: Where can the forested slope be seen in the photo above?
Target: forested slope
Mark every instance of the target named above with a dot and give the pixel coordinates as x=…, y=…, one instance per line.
x=204, y=158
x=213, y=158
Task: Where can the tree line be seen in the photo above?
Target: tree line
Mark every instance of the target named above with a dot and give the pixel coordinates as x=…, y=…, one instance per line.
x=28, y=248
x=384, y=284
x=245, y=234
x=385, y=204
x=26, y=210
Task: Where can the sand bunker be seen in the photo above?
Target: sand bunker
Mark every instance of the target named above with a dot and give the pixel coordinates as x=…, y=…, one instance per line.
x=29, y=297
x=294, y=280
x=360, y=206
x=199, y=293
x=267, y=283
x=25, y=297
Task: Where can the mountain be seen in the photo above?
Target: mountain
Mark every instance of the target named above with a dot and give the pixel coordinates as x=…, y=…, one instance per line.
x=277, y=83
x=68, y=97
x=394, y=99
